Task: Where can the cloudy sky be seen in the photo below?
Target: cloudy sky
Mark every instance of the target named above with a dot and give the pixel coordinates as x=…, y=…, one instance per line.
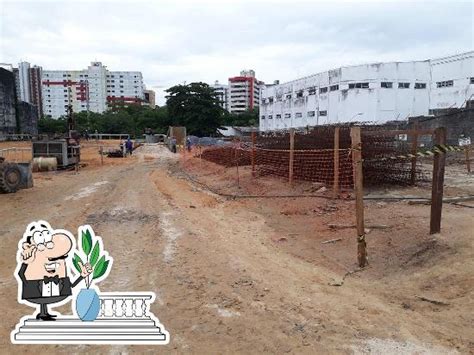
x=175, y=41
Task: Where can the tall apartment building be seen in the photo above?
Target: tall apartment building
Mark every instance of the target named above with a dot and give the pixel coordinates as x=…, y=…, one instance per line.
x=377, y=92
x=24, y=82
x=36, y=95
x=95, y=89
x=28, y=84
x=244, y=92
x=222, y=92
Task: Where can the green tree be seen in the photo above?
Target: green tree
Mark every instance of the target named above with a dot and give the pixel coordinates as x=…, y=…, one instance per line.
x=244, y=119
x=131, y=119
x=48, y=125
x=195, y=106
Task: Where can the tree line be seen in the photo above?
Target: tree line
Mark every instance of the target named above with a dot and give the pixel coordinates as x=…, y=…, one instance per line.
x=195, y=106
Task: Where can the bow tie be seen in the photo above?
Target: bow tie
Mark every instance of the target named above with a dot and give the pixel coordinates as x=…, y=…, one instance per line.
x=54, y=279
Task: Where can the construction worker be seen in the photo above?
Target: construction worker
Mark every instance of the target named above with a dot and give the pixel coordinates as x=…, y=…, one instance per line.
x=129, y=146
x=188, y=144
x=173, y=144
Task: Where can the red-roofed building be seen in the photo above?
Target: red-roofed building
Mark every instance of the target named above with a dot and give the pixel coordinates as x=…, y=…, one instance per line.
x=244, y=92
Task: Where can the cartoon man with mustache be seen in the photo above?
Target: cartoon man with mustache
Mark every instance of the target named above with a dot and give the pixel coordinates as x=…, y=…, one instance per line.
x=43, y=271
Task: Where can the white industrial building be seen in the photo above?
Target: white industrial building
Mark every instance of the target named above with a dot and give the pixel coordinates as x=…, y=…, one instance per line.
x=378, y=93
x=222, y=92
x=95, y=89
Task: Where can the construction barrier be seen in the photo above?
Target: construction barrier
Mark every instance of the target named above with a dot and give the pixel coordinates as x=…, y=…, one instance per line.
x=316, y=156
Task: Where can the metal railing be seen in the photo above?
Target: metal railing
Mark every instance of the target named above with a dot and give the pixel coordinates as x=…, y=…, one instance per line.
x=17, y=137
x=101, y=136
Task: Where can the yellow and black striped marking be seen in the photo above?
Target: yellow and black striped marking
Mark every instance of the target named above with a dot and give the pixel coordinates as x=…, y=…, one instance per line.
x=437, y=149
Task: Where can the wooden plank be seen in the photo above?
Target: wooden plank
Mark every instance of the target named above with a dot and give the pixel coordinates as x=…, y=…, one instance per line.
x=292, y=152
x=336, y=163
x=359, y=195
x=331, y=241
x=438, y=182
x=350, y=226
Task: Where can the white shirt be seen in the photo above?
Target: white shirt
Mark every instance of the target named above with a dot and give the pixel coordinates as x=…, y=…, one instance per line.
x=50, y=289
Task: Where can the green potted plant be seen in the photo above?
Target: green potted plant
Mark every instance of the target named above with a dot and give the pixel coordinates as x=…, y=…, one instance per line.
x=87, y=303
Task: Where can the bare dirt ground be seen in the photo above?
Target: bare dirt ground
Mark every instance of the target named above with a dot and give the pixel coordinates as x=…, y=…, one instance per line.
x=251, y=275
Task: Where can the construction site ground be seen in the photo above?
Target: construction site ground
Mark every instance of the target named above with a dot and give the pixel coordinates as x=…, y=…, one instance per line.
x=253, y=275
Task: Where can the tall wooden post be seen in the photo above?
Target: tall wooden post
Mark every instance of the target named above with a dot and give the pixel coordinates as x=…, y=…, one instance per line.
x=414, y=149
x=292, y=152
x=359, y=195
x=237, y=166
x=438, y=182
x=336, y=163
x=252, y=157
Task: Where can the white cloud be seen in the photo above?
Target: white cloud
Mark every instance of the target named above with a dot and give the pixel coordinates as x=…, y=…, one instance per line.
x=172, y=42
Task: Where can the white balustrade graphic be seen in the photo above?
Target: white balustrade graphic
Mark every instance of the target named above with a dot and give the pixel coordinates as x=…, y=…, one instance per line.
x=124, y=306
x=124, y=318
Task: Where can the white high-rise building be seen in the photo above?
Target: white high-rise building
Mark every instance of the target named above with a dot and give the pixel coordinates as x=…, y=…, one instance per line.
x=377, y=92
x=95, y=89
x=222, y=92
x=244, y=92
x=24, y=81
x=28, y=84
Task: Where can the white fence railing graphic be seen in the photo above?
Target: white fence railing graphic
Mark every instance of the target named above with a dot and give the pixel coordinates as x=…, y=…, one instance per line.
x=124, y=305
x=124, y=318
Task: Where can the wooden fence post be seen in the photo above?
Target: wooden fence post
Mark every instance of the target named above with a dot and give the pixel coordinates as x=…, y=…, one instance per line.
x=336, y=162
x=414, y=149
x=237, y=163
x=292, y=152
x=438, y=181
x=359, y=195
x=252, y=157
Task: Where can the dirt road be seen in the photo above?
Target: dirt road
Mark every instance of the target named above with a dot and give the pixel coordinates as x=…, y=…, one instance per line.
x=225, y=283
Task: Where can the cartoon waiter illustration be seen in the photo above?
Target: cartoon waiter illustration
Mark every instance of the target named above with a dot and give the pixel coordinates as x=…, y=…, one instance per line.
x=42, y=271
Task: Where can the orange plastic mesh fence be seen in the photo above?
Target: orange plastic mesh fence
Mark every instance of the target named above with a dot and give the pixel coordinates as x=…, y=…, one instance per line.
x=315, y=165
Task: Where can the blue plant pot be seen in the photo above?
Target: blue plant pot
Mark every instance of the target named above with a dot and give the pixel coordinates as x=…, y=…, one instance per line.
x=87, y=304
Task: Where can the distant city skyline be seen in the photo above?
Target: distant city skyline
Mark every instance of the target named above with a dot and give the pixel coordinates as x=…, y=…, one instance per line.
x=208, y=41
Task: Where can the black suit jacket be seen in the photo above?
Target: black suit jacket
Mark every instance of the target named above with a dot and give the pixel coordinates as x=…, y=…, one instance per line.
x=34, y=288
